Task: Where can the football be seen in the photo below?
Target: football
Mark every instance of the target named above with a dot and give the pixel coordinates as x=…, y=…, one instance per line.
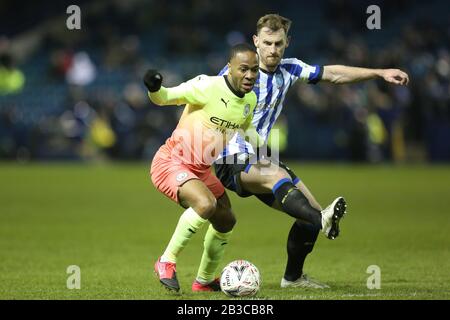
x=240, y=278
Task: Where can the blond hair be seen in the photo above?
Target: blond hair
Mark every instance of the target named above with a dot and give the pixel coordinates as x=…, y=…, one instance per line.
x=274, y=22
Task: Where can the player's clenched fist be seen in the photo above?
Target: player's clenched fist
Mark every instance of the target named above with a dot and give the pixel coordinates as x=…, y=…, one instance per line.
x=153, y=80
x=395, y=76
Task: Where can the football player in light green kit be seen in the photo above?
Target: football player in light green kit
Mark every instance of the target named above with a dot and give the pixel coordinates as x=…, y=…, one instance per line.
x=216, y=107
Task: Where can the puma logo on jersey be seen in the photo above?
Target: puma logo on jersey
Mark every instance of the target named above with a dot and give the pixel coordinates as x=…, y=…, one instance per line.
x=226, y=103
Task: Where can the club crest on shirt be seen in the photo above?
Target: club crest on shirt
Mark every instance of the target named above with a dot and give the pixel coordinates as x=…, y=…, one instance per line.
x=279, y=80
x=181, y=176
x=246, y=110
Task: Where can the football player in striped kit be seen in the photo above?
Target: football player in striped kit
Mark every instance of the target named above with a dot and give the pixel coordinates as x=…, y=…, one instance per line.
x=267, y=178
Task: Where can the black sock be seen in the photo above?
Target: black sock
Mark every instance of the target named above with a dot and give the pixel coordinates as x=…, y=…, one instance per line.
x=300, y=243
x=295, y=204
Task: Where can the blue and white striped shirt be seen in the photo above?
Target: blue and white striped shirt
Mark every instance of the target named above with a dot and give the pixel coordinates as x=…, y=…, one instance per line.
x=271, y=90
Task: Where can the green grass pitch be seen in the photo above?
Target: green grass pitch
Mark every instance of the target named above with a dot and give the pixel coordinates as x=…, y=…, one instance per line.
x=111, y=222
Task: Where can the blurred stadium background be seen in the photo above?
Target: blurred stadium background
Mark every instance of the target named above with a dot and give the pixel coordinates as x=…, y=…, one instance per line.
x=71, y=97
x=77, y=94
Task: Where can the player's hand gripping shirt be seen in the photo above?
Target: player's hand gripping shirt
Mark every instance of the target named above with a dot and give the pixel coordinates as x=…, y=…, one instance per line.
x=213, y=114
x=271, y=90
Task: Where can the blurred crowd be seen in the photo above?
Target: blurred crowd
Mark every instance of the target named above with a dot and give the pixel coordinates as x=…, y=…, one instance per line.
x=78, y=94
x=374, y=120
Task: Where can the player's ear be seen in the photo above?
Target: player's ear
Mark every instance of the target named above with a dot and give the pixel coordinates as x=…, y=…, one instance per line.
x=255, y=40
x=229, y=67
x=288, y=40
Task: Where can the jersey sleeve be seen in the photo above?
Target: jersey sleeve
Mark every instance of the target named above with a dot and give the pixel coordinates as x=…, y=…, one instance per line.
x=193, y=92
x=298, y=69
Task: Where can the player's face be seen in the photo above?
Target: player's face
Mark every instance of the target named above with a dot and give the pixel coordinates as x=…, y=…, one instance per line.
x=271, y=46
x=244, y=71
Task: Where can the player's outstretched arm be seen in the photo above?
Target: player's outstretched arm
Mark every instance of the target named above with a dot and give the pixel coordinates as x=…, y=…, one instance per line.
x=192, y=91
x=339, y=74
x=153, y=81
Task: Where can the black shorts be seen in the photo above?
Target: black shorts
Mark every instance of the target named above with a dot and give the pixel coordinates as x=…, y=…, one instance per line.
x=228, y=174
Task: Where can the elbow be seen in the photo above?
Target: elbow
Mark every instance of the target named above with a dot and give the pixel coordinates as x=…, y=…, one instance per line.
x=340, y=79
x=331, y=76
x=335, y=80
x=335, y=75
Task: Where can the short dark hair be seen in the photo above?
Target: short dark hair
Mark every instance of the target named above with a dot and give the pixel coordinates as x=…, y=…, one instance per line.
x=241, y=47
x=274, y=22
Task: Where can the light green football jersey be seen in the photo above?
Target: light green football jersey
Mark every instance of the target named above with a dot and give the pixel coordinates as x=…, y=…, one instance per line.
x=214, y=112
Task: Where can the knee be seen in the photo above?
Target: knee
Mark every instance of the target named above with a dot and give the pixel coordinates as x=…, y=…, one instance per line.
x=225, y=224
x=224, y=219
x=205, y=206
x=276, y=176
x=229, y=222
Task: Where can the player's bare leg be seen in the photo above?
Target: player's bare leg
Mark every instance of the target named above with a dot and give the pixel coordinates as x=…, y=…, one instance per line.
x=201, y=205
x=311, y=199
x=223, y=219
x=267, y=177
x=216, y=240
x=195, y=194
